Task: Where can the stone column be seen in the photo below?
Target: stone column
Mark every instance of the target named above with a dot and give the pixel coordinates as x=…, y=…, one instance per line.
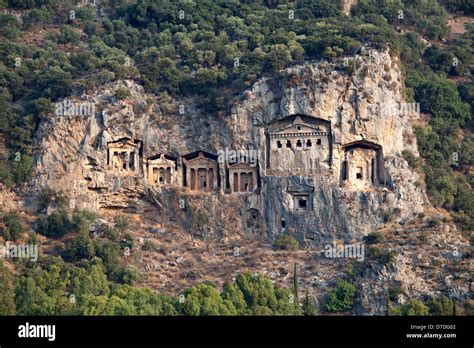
x=150, y=174
x=188, y=177
x=194, y=179
x=214, y=179
x=238, y=181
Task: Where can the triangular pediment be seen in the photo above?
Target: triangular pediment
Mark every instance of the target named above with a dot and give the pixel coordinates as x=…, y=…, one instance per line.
x=241, y=166
x=299, y=126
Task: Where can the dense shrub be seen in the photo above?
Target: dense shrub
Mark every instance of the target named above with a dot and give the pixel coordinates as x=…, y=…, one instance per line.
x=411, y=308
x=434, y=306
x=374, y=238
x=441, y=306
x=340, y=298
x=55, y=225
x=81, y=247
x=286, y=242
x=13, y=226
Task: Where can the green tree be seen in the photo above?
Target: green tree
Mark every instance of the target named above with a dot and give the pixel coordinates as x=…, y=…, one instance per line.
x=295, y=281
x=340, y=298
x=440, y=306
x=286, y=242
x=205, y=300
x=81, y=247
x=374, y=238
x=411, y=308
x=279, y=57
x=13, y=226
x=55, y=225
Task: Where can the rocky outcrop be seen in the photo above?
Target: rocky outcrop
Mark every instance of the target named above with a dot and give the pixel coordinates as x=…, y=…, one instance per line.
x=347, y=5
x=71, y=151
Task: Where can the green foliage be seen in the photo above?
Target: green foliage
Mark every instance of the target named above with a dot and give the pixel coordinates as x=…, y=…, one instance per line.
x=340, y=298
x=386, y=257
x=6, y=176
x=374, y=238
x=441, y=306
x=68, y=35
x=457, y=5
x=43, y=291
x=411, y=308
x=122, y=93
x=22, y=169
x=13, y=226
x=130, y=275
x=49, y=197
x=286, y=242
x=262, y=297
x=55, y=225
x=81, y=247
x=205, y=300
x=279, y=57
x=394, y=292
x=412, y=160
x=52, y=287
x=148, y=245
x=10, y=28
x=109, y=253
x=122, y=223
x=295, y=281
x=308, y=305
x=466, y=153
x=424, y=16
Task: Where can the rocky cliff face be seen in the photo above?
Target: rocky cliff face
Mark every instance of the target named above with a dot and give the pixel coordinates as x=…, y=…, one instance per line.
x=71, y=151
x=316, y=199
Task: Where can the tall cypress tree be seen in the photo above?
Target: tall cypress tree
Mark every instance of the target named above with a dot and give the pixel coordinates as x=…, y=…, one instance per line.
x=295, y=283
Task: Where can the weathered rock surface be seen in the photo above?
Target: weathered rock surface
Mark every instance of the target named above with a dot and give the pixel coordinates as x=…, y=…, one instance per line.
x=72, y=150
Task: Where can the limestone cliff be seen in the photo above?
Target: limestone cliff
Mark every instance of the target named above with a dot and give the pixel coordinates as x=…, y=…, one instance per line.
x=71, y=152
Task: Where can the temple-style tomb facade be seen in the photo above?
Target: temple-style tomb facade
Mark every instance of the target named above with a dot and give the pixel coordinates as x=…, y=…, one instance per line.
x=363, y=164
x=242, y=177
x=201, y=172
x=298, y=145
x=123, y=155
x=162, y=170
